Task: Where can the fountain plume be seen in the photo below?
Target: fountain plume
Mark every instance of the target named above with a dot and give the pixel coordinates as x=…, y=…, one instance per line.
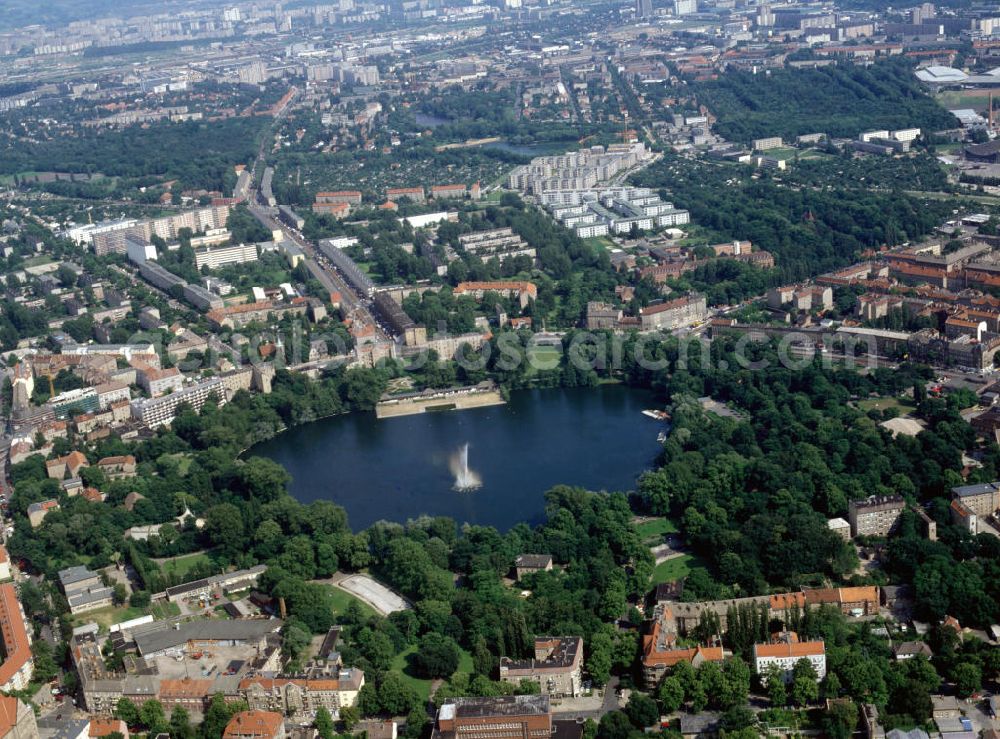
x=465, y=478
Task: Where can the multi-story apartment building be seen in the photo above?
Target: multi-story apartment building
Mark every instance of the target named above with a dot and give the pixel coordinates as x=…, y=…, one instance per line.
x=508, y=716
x=352, y=197
x=18, y=664
x=17, y=719
x=875, y=516
x=112, y=237
x=661, y=651
x=414, y=194
x=500, y=243
x=682, y=618
x=556, y=666
x=577, y=170
x=255, y=725
x=302, y=696
x=963, y=516
x=676, y=313
x=523, y=291
x=159, y=381
x=214, y=257
x=202, y=298
x=84, y=589
x=983, y=499
x=769, y=142
x=785, y=652
x=153, y=412
x=238, y=316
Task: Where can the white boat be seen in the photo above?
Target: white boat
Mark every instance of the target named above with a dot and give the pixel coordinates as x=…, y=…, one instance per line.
x=658, y=415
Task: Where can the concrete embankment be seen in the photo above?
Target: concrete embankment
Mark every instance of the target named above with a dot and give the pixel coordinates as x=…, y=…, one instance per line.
x=442, y=402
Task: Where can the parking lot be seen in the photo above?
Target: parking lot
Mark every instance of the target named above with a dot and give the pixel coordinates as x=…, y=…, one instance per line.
x=198, y=663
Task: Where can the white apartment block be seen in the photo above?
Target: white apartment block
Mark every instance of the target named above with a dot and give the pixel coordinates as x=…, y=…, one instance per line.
x=577, y=170
x=153, y=412
x=769, y=142
x=214, y=257
x=619, y=209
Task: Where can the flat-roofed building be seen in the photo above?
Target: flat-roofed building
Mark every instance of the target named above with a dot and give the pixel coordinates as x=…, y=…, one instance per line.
x=556, y=666
x=875, y=516
x=84, y=589
x=508, y=716
x=214, y=257
x=153, y=412
x=982, y=499
x=768, y=142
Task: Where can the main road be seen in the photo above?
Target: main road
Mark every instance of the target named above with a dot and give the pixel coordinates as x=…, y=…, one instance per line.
x=319, y=267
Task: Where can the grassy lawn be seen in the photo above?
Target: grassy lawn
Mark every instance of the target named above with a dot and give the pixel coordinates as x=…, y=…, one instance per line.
x=880, y=404
x=603, y=243
x=543, y=358
x=38, y=261
x=656, y=528
x=673, y=569
x=164, y=610
x=182, y=565
x=341, y=599
x=814, y=154
x=782, y=152
x=105, y=617
x=183, y=461
x=975, y=99
x=401, y=664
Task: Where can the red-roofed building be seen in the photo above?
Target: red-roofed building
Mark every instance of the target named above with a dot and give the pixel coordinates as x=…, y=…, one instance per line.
x=523, y=291
x=15, y=672
x=118, y=466
x=660, y=651
x=17, y=720
x=785, y=651
x=186, y=693
x=5, y=573
x=302, y=696
x=337, y=210
x=340, y=196
x=414, y=194
x=255, y=725
x=93, y=495
x=104, y=726
x=683, y=311
x=57, y=469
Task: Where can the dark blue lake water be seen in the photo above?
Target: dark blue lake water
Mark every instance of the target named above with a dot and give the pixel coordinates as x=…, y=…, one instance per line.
x=398, y=468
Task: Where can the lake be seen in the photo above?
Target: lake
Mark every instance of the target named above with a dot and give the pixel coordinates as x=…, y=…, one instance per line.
x=426, y=120
x=398, y=468
x=525, y=150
